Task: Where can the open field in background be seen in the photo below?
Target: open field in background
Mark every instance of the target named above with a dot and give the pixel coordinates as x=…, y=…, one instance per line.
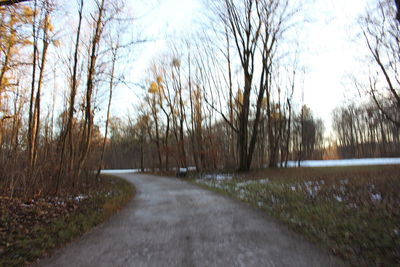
x=345, y=162
x=357, y=162
x=352, y=211
x=31, y=228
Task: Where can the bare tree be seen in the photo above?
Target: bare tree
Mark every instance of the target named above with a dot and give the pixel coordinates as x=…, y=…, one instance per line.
x=363, y=131
x=256, y=27
x=41, y=28
x=67, y=136
x=115, y=47
x=153, y=102
x=246, y=32
x=381, y=31
x=87, y=132
x=31, y=121
x=52, y=150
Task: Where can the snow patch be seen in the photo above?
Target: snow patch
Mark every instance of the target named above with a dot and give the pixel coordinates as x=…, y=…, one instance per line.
x=376, y=197
x=242, y=184
x=338, y=198
x=345, y=162
x=79, y=198
x=111, y=171
x=312, y=187
x=218, y=177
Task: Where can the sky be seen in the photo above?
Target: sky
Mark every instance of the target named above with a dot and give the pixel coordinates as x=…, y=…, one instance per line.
x=330, y=48
x=334, y=54
x=158, y=21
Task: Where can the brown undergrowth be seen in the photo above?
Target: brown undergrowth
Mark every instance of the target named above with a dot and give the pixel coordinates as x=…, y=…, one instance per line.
x=31, y=228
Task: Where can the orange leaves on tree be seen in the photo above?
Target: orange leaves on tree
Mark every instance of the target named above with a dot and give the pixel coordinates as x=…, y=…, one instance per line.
x=153, y=88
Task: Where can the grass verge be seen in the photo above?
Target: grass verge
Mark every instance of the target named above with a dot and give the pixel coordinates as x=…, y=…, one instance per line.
x=352, y=211
x=29, y=230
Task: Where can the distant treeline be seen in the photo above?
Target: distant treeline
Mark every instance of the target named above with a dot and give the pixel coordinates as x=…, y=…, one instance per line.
x=359, y=132
x=364, y=131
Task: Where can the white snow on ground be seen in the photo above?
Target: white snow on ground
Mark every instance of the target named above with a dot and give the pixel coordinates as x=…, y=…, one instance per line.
x=376, y=197
x=338, y=198
x=219, y=177
x=306, y=163
x=110, y=171
x=242, y=184
x=345, y=162
x=79, y=198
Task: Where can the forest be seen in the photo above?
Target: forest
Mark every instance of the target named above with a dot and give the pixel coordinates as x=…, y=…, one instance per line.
x=227, y=97
x=231, y=105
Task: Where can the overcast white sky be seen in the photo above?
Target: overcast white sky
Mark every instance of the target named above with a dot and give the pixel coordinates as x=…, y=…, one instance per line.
x=330, y=51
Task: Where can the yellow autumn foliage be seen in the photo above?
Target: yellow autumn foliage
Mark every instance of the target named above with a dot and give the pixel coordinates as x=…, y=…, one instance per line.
x=153, y=88
x=27, y=42
x=51, y=27
x=239, y=97
x=5, y=81
x=159, y=79
x=47, y=23
x=27, y=11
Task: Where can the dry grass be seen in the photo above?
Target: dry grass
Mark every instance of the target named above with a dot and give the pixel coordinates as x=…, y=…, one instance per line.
x=352, y=211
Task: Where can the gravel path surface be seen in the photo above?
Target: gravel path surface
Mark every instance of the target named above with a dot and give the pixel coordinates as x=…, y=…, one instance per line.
x=174, y=223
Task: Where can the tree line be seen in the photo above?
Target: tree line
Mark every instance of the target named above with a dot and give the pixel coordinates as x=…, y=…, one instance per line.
x=52, y=78
x=229, y=104
x=228, y=96
x=363, y=131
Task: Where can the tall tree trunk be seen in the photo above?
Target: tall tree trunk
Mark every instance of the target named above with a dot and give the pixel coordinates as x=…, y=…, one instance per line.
x=111, y=86
x=166, y=145
x=243, y=124
x=38, y=95
x=68, y=130
x=289, y=127
x=88, y=122
x=31, y=123
x=142, y=150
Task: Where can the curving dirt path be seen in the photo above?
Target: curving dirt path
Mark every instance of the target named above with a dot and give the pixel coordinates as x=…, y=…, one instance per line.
x=173, y=223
